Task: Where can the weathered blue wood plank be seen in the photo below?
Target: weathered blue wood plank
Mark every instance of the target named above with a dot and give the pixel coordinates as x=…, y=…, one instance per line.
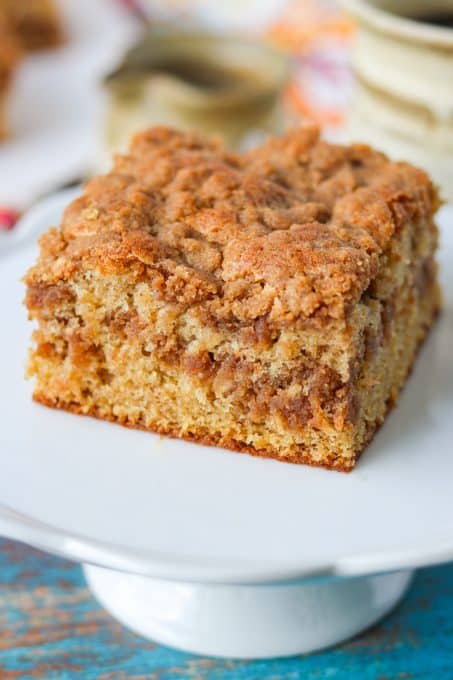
x=51, y=627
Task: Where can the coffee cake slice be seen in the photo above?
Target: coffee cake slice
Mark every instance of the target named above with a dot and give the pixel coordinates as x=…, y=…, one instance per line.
x=34, y=24
x=270, y=302
x=10, y=54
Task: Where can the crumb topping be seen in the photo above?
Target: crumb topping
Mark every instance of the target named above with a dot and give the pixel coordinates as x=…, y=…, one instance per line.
x=291, y=229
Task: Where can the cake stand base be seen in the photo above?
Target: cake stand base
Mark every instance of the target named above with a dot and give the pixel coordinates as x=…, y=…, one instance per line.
x=247, y=622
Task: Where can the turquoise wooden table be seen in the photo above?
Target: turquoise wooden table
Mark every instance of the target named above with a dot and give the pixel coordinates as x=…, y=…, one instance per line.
x=52, y=628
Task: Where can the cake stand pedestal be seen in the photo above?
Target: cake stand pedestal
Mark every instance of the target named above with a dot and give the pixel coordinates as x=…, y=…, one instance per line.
x=247, y=622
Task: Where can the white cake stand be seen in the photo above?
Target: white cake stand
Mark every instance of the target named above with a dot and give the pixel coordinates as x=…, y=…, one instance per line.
x=219, y=553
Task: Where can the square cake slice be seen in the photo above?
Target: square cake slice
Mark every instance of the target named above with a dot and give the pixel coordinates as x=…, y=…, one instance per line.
x=270, y=302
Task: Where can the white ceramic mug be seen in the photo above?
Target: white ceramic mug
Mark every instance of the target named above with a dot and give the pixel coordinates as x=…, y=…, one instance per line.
x=404, y=97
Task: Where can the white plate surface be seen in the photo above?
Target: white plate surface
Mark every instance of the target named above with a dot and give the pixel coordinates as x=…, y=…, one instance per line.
x=121, y=498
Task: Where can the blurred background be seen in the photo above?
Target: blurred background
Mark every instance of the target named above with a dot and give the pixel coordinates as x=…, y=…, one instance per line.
x=77, y=77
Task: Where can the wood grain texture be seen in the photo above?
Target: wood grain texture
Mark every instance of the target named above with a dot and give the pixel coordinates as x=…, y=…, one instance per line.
x=51, y=628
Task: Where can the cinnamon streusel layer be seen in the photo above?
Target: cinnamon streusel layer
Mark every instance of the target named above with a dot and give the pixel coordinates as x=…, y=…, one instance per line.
x=270, y=302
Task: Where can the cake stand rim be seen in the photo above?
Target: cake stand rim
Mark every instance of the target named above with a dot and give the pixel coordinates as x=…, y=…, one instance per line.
x=38, y=534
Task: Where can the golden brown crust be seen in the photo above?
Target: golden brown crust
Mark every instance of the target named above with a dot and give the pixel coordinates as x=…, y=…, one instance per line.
x=293, y=229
